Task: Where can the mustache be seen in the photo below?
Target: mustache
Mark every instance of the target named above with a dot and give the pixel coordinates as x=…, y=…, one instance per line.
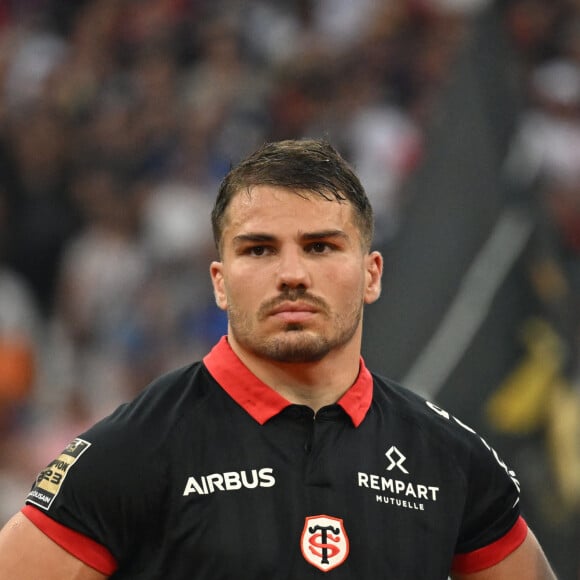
x=293, y=295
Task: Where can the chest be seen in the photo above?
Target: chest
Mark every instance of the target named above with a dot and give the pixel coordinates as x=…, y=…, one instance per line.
x=300, y=495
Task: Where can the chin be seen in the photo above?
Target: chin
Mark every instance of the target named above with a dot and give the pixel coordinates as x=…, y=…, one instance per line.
x=295, y=346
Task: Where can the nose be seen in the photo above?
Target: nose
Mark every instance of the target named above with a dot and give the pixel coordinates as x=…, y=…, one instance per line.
x=293, y=269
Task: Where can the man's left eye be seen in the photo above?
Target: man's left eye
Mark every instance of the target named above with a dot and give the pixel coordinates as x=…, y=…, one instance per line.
x=319, y=247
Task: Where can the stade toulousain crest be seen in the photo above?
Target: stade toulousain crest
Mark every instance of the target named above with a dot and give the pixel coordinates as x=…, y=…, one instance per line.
x=324, y=542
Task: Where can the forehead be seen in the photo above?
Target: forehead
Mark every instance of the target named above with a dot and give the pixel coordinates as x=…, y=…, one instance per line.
x=265, y=205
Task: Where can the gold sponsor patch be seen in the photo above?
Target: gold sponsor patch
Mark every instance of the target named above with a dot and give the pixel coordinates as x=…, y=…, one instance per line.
x=50, y=480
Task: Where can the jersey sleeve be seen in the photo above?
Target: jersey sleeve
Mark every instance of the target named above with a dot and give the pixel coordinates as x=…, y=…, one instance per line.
x=493, y=553
x=80, y=546
x=98, y=498
x=492, y=526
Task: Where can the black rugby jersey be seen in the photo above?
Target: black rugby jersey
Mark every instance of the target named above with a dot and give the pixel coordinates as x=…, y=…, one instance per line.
x=209, y=474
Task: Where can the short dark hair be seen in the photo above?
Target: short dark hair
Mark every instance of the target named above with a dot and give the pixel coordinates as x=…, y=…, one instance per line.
x=305, y=165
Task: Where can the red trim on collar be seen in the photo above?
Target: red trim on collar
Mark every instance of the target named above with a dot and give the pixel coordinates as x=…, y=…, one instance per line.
x=357, y=400
x=261, y=401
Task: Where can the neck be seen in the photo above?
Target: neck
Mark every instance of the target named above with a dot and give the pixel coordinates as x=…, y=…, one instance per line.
x=314, y=384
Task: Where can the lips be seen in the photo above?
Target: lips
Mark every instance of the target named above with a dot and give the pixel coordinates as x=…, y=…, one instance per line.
x=293, y=307
x=294, y=312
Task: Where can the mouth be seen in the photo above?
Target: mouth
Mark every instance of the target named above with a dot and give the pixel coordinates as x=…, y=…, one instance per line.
x=295, y=312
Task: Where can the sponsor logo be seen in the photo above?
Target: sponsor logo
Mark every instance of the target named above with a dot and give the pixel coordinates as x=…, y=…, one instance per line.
x=403, y=494
x=324, y=542
x=49, y=481
x=396, y=458
x=229, y=481
x=398, y=492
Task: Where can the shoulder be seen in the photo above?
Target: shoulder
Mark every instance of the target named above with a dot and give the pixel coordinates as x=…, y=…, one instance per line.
x=135, y=439
x=428, y=418
x=161, y=406
x=454, y=440
x=129, y=450
x=412, y=407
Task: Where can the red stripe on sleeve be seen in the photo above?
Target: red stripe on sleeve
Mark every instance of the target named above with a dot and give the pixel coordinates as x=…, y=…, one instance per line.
x=493, y=553
x=88, y=551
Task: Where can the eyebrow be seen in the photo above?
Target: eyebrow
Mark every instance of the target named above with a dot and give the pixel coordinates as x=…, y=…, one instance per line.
x=308, y=236
x=324, y=234
x=245, y=238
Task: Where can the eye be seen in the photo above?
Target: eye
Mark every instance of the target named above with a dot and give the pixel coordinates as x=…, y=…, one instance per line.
x=258, y=251
x=319, y=247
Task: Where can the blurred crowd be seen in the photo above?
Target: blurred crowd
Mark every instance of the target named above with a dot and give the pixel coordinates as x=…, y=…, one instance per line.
x=118, y=119
x=545, y=152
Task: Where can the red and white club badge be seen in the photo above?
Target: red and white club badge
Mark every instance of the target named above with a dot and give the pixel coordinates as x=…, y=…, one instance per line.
x=324, y=542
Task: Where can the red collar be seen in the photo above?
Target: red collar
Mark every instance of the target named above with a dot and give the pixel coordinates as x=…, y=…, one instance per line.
x=261, y=401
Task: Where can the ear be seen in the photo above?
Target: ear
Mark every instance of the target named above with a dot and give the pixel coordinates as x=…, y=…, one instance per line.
x=373, y=275
x=217, y=280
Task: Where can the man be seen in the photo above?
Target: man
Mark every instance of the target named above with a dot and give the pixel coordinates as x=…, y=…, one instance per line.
x=279, y=456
